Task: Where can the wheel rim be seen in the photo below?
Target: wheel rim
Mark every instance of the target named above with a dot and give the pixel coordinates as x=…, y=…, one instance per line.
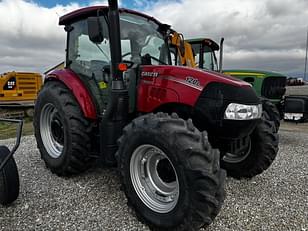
x=154, y=178
x=51, y=129
x=232, y=158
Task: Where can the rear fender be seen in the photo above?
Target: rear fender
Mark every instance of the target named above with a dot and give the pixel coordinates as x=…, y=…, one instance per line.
x=79, y=90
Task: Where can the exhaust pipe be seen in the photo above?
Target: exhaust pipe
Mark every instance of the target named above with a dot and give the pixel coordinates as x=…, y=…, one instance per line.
x=115, y=44
x=116, y=115
x=221, y=54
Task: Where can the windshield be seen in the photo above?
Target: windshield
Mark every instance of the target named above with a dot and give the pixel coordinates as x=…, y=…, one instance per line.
x=207, y=59
x=141, y=43
x=140, y=38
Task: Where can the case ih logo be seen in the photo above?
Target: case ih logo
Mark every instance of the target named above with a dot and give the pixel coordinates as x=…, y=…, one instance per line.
x=192, y=81
x=149, y=74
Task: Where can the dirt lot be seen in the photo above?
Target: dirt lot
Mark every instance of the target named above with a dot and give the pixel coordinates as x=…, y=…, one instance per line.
x=274, y=200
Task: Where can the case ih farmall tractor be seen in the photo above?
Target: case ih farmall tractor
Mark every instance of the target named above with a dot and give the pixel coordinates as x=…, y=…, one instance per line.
x=121, y=101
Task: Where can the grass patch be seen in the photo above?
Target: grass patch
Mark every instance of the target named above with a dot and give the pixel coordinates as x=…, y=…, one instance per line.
x=8, y=130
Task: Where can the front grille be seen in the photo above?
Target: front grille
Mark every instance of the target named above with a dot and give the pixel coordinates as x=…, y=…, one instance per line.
x=274, y=87
x=212, y=103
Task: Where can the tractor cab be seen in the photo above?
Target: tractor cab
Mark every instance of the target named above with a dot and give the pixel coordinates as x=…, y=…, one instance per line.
x=204, y=50
x=142, y=42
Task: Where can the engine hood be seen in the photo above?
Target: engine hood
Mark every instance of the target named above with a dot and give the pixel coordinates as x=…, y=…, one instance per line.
x=191, y=76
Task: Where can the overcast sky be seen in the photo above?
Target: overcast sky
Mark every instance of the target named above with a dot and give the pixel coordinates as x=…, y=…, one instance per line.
x=264, y=34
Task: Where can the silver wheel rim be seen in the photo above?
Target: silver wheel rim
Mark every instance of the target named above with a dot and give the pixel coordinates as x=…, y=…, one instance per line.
x=157, y=189
x=232, y=158
x=48, y=115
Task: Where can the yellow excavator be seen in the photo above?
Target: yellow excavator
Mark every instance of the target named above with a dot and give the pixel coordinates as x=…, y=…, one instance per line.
x=181, y=51
x=18, y=92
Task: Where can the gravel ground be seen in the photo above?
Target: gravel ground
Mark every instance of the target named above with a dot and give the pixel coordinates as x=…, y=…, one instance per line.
x=274, y=200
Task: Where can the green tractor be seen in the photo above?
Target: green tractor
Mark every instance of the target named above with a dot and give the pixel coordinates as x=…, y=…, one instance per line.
x=270, y=86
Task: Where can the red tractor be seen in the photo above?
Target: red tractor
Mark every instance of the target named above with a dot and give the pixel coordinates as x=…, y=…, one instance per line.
x=119, y=101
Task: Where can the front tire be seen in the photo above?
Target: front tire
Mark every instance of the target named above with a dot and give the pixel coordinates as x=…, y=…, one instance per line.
x=170, y=173
x=9, y=179
x=62, y=133
x=261, y=153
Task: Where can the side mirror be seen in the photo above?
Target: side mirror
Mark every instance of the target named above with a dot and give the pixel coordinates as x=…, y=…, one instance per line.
x=95, y=30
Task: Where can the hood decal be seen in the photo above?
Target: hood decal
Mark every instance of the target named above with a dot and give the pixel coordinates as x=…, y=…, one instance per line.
x=190, y=83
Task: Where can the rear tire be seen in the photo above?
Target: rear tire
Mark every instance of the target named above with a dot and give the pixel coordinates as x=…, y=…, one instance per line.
x=9, y=179
x=262, y=152
x=170, y=173
x=62, y=132
x=272, y=112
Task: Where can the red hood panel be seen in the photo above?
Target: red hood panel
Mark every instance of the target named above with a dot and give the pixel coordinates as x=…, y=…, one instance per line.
x=193, y=76
x=161, y=85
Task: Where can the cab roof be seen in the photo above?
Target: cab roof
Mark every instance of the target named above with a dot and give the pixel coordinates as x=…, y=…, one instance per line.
x=94, y=10
x=206, y=41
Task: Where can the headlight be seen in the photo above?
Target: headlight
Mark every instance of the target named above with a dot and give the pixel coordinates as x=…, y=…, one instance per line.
x=237, y=111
